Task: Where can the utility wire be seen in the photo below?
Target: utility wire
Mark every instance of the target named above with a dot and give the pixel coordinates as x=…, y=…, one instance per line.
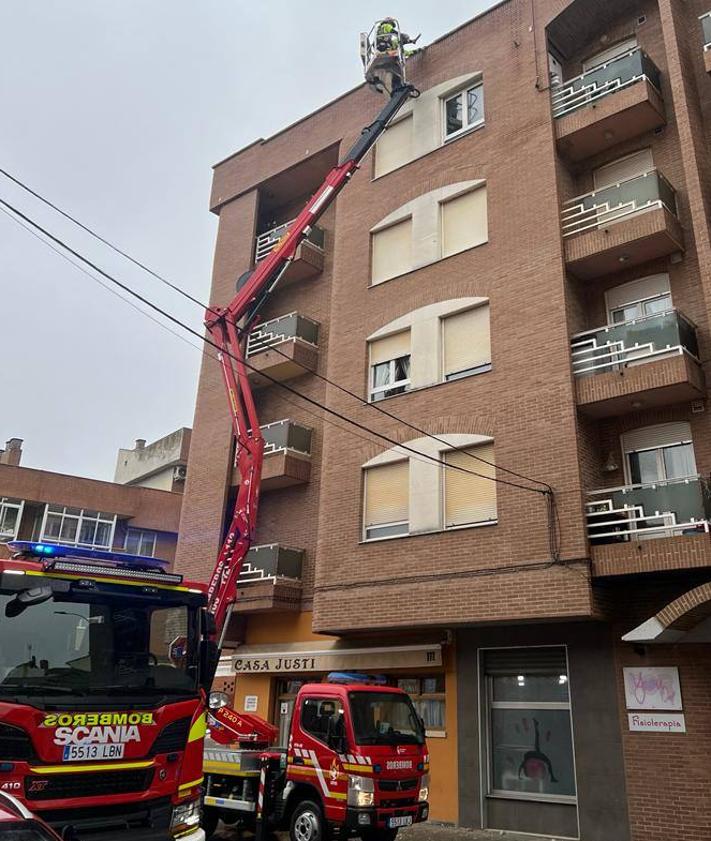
x=322, y=377
x=285, y=386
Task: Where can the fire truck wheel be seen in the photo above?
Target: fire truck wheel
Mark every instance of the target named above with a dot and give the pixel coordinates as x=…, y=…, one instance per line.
x=210, y=817
x=307, y=823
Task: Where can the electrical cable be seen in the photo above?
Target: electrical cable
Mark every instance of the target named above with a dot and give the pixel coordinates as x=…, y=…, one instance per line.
x=207, y=307
x=126, y=288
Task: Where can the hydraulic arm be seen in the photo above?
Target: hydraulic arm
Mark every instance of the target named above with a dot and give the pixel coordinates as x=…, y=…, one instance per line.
x=230, y=326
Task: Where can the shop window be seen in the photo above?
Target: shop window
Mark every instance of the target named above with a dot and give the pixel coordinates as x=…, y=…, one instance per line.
x=392, y=251
x=463, y=111
x=464, y=222
x=466, y=341
x=530, y=744
x=468, y=498
x=428, y=698
x=389, y=366
x=322, y=718
x=387, y=500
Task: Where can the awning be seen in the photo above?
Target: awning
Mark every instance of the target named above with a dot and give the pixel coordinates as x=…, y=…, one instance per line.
x=327, y=657
x=686, y=619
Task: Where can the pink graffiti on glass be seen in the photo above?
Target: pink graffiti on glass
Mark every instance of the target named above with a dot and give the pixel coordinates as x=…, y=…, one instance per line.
x=644, y=685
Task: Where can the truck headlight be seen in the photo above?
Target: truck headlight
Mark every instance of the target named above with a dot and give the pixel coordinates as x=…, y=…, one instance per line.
x=361, y=792
x=424, y=788
x=186, y=816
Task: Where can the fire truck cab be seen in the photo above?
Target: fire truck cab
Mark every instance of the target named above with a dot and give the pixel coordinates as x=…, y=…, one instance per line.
x=356, y=761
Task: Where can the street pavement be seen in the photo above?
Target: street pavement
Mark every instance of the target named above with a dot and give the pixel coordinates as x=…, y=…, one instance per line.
x=423, y=832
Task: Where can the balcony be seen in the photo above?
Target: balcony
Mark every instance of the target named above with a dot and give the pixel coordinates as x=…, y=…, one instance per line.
x=309, y=257
x=706, y=25
x=647, y=362
x=270, y=579
x=589, y=119
x=648, y=528
x=284, y=348
x=287, y=455
x=621, y=225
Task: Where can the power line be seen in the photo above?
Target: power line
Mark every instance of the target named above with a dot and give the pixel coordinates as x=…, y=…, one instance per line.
x=322, y=377
x=251, y=367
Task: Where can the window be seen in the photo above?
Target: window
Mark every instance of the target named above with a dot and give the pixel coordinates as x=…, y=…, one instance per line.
x=610, y=54
x=428, y=698
x=322, y=718
x=530, y=745
x=141, y=542
x=464, y=222
x=639, y=299
x=394, y=149
x=78, y=527
x=387, y=500
x=659, y=453
x=392, y=251
x=10, y=516
x=629, y=166
x=469, y=499
x=463, y=111
x=389, y=366
x=466, y=341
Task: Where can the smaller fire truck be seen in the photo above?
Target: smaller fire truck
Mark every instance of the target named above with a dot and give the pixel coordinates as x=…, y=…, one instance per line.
x=356, y=764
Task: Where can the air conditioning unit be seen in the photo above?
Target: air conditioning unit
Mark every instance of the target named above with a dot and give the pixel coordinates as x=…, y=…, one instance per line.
x=179, y=473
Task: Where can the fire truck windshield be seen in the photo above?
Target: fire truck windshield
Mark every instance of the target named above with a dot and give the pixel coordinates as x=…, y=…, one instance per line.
x=385, y=718
x=97, y=648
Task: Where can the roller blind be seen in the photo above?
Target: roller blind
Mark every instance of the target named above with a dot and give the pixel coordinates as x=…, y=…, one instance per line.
x=387, y=493
x=517, y=661
x=467, y=340
x=637, y=290
x=394, y=147
x=392, y=251
x=464, y=222
x=467, y=498
x=659, y=435
x=624, y=168
x=610, y=53
x=391, y=347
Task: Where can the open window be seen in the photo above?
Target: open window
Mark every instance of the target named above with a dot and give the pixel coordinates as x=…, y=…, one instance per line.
x=463, y=111
x=389, y=366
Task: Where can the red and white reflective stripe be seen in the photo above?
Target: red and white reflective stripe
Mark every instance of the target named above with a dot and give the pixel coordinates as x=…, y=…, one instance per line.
x=319, y=774
x=260, y=796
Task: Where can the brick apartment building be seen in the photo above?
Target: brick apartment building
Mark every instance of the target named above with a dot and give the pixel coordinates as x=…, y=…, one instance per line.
x=133, y=514
x=518, y=270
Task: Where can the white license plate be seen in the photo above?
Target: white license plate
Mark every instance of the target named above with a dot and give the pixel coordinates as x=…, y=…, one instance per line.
x=73, y=753
x=406, y=820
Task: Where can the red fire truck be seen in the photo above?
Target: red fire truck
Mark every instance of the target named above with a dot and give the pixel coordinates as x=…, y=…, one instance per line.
x=106, y=659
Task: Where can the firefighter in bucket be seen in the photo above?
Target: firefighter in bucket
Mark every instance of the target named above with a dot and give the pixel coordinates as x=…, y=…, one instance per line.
x=383, y=52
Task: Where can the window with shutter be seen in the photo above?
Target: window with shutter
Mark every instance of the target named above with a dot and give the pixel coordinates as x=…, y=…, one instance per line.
x=466, y=340
x=387, y=500
x=469, y=499
x=394, y=149
x=390, y=366
x=464, y=222
x=630, y=166
x=392, y=251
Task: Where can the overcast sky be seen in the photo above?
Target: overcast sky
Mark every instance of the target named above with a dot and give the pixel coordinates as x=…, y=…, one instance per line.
x=116, y=110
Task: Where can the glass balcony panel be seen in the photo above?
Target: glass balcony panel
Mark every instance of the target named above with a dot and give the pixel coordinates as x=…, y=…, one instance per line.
x=662, y=509
x=286, y=435
x=603, y=80
x=267, y=240
x=617, y=202
x=282, y=329
x=706, y=24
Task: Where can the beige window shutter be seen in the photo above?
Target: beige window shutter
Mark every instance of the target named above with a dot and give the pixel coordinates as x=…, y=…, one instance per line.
x=637, y=290
x=394, y=149
x=464, y=222
x=610, y=53
x=469, y=499
x=391, y=347
x=387, y=494
x=392, y=251
x=467, y=340
x=659, y=435
x=620, y=170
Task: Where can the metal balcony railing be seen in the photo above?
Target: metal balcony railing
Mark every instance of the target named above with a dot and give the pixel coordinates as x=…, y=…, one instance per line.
x=267, y=240
x=619, y=73
x=662, y=509
x=641, y=339
x=270, y=562
x=706, y=24
x=286, y=328
x=616, y=202
x=286, y=435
